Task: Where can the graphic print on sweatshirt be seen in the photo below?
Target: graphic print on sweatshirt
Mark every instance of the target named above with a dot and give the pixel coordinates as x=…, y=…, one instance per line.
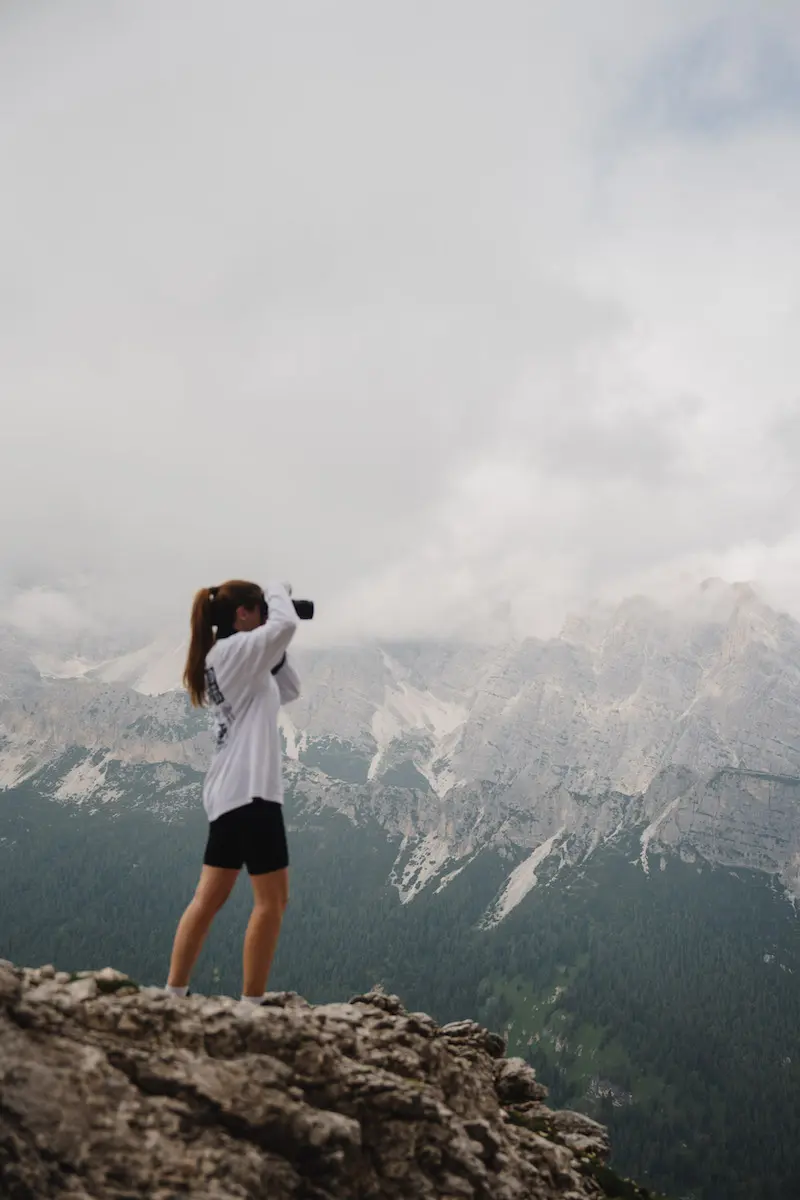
x=223, y=714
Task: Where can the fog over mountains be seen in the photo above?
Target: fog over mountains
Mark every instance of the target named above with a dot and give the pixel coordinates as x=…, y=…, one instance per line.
x=681, y=724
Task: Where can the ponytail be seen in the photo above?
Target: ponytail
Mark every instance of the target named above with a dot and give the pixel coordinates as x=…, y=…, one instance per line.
x=202, y=639
x=214, y=608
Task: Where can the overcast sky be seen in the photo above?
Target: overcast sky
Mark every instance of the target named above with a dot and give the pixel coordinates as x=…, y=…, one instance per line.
x=424, y=306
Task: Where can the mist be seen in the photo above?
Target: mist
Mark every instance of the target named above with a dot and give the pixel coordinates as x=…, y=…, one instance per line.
x=436, y=310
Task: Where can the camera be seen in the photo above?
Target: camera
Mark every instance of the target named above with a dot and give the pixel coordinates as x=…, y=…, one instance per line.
x=303, y=608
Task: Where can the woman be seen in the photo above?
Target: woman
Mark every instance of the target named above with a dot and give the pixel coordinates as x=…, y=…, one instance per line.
x=243, y=674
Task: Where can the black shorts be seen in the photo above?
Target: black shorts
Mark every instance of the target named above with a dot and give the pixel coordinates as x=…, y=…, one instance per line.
x=253, y=834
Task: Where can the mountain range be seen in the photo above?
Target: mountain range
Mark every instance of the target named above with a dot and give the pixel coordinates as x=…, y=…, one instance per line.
x=681, y=724
x=590, y=842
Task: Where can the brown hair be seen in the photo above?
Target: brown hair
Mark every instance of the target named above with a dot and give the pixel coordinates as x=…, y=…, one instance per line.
x=213, y=608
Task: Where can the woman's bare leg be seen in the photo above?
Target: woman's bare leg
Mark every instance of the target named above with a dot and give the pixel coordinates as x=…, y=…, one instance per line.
x=270, y=896
x=216, y=884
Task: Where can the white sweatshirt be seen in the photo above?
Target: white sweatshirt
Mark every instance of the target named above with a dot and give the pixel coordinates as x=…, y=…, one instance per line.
x=244, y=697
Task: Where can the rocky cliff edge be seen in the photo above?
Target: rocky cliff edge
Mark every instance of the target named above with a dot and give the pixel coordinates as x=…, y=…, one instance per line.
x=111, y=1091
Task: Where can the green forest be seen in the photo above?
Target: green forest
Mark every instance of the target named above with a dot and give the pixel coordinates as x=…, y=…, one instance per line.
x=667, y=1005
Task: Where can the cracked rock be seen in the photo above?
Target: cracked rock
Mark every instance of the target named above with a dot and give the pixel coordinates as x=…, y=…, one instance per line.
x=109, y=1091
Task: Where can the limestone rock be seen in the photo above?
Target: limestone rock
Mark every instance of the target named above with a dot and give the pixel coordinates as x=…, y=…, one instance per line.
x=110, y=1091
x=679, y=724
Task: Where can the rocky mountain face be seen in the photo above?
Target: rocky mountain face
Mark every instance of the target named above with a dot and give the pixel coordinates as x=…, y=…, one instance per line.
x=108, y=1090
x=679, y=723
x=585, y=842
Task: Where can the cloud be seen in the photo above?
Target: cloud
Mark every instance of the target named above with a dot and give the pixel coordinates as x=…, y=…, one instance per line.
x=727, y=74
x=425, y=308
x=40, y=613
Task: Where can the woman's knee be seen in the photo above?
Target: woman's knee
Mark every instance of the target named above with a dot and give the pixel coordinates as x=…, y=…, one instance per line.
x=205, y=907
x=213, y=889
x=275, y=902
x=271, y=891
x=207, y=901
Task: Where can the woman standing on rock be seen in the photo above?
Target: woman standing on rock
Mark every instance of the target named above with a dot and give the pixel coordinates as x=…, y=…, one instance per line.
x=241, y=671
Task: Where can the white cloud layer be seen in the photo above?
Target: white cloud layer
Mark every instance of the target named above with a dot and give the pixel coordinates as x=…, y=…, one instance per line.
x=431, y=308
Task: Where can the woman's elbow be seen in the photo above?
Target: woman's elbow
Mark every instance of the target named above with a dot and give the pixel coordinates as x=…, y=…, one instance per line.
x=288, y=628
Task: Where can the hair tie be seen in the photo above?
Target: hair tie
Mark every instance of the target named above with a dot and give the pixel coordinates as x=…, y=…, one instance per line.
x=212, y=593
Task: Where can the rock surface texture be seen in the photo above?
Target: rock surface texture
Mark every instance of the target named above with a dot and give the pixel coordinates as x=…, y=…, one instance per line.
x=110, y=1091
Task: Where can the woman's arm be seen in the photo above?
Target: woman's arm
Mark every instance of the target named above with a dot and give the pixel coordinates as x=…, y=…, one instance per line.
x=265, y=647
x=288, y=681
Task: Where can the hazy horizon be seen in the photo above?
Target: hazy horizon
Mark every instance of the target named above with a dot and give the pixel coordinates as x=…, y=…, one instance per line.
x=47, y=627
x=430, y=309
